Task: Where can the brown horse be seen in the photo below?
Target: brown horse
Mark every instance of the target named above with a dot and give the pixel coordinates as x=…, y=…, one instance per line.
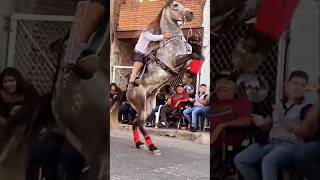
x=172, y=54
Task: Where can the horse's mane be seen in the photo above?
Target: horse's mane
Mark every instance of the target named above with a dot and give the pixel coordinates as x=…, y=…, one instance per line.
x=155, y=26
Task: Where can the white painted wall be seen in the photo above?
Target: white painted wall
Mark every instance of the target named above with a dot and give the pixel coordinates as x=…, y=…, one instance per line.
x=204, y=76
x=7, y=7
x=304, y=46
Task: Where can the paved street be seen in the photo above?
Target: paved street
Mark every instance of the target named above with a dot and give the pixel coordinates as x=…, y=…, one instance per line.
x=180, y=160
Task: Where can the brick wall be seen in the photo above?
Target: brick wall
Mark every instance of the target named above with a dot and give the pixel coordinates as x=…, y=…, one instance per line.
x=55, y=7
x=135, y=15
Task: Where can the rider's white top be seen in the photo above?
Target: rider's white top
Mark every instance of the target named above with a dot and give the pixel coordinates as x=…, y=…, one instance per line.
x=144, y=39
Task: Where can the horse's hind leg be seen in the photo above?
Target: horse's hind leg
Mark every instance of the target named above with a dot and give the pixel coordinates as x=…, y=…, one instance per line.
x=135, y=132
x=147, y=138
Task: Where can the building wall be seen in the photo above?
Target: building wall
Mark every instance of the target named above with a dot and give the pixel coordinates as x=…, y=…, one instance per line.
x=136, y=15
x=8, y=7
x=204, y=77
x=304, y=45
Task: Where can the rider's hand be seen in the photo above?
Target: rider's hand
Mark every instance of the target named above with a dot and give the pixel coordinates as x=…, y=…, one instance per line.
x=167, y=35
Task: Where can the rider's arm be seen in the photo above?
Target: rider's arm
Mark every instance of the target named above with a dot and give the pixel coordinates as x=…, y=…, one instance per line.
x=151, y=37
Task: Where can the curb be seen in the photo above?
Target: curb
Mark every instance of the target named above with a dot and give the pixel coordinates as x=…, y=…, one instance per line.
x=196, y=137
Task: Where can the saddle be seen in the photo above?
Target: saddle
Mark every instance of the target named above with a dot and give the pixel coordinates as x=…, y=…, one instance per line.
x=151, y=57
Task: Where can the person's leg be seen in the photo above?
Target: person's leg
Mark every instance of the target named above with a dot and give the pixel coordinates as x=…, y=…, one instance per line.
x=280, y=158
x=163, y=113
x=72, y=161
x=187, y=114
x=247, y=161
x=137, y=66
x=307, y=160
x=196, y=111
x=45, y=156
x=151, y=116
x=206, y=112
x=121, y=112
x=131, y=114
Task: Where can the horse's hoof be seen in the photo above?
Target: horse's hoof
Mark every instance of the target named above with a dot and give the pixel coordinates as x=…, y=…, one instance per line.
x=156, y=152
x=143, y=147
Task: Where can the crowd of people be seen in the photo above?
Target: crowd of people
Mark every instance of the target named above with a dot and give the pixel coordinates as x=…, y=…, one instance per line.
x=288, y=137
x=173, y=107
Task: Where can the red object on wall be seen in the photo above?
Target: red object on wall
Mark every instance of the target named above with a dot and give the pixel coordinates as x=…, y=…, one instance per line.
x=274, y=16
x=195, y=65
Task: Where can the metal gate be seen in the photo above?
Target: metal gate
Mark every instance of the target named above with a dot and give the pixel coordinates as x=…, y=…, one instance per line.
x=221, y=55
x=29, y=47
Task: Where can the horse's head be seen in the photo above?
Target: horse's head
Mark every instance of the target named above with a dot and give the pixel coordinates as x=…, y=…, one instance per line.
x=177, y=12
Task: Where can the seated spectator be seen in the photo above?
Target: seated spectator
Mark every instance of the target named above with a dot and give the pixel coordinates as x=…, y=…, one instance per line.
x=115, y=93
x=174, y=103
x=160, y=100
x=307, y=156
x=18, y=101
x=228, y=112
x=126, y=113
x=201, y=100
x=278, y=153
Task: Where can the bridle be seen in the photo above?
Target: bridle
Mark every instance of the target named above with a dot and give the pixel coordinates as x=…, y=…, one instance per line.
x=175, y=8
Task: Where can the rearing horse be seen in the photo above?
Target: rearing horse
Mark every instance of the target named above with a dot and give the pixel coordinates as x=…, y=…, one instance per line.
x=171, y=55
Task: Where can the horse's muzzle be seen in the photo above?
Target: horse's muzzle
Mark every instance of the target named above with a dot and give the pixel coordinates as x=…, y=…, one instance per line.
x=188, y=14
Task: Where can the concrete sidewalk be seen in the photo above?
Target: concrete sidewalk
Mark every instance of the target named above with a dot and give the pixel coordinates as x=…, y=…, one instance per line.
x=196, y=137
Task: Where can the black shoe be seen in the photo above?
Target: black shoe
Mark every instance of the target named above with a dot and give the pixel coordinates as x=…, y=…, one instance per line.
x=193, y=129
x=133, y=83
x=137, y=81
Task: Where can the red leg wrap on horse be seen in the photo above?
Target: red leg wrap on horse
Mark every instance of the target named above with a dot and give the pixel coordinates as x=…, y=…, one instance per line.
x=136, y=136
x=148, y=140
x=274, y=16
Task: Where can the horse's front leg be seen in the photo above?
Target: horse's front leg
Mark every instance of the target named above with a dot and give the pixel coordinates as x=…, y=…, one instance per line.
x=147, y=138
x=135, y=132
x=181, y=59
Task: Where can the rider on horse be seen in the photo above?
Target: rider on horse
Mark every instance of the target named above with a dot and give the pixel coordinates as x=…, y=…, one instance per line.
x=149, y=34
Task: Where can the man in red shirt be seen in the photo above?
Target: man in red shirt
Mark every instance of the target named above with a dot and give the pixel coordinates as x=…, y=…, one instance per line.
x=174, y=103
x=228, y=111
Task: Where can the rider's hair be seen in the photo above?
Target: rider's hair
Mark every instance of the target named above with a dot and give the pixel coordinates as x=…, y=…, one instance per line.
x=155, y=24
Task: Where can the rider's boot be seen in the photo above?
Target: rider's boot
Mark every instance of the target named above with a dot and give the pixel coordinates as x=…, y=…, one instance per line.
x=134, y=78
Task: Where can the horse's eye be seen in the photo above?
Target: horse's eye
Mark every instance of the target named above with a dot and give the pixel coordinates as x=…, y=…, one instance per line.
x=175, y=5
